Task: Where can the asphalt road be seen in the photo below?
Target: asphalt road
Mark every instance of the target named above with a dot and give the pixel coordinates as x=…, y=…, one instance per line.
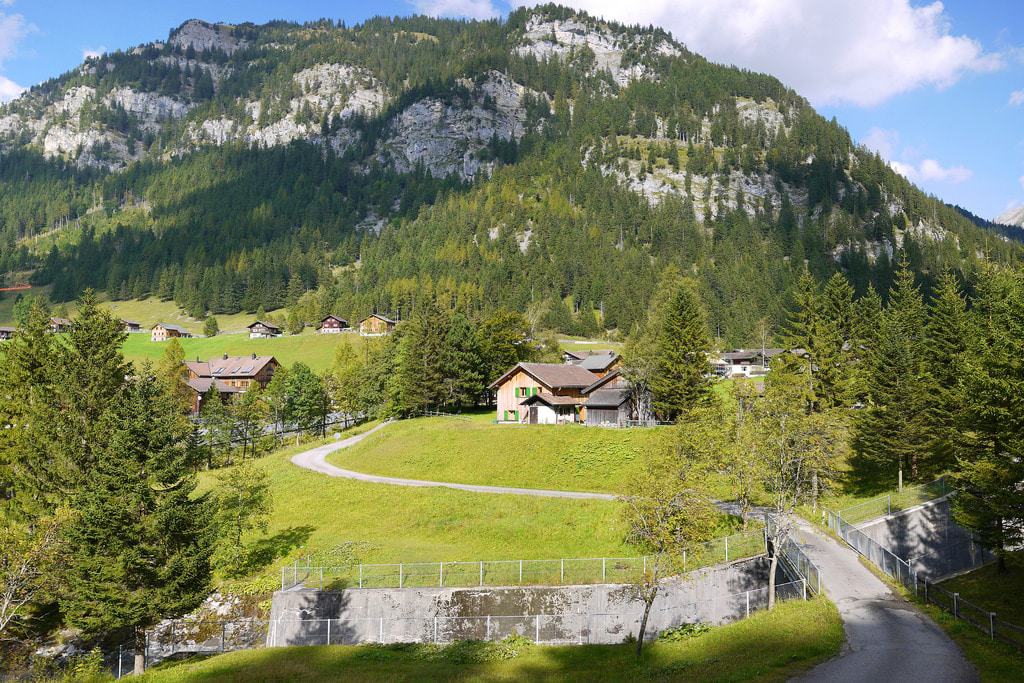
x=887, y=638
x=316, y=459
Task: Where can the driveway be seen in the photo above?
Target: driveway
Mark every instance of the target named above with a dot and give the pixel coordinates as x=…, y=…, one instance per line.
x=887, y=638
x=315, y=459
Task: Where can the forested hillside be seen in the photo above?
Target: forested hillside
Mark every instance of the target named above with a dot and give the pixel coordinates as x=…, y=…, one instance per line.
x=550, y=163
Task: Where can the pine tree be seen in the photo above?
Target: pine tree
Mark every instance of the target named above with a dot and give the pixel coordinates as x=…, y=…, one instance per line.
x=417, y=382
x=990, y=449
x=172, y=374
x=892, y=435
x=948, y=332
x=680, y=381
x=210, y=327
x=463, y=379
x=140, y=543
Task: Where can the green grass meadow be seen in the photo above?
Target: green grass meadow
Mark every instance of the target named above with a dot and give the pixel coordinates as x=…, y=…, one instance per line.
x=769, y=646
x=472, y=449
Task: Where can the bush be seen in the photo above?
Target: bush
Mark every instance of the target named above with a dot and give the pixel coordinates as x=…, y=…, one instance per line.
x=684, y=631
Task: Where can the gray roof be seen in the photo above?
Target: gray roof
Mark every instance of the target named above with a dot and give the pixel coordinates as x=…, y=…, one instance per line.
x=176, y=328
x=269, y=326
x=551, y=400
x=598, y=362
x=608, y=398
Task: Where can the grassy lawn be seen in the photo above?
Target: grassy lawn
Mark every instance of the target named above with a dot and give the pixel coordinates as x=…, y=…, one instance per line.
x=313, y=513
x=992, y=591
x=315, y=350
x=471, y=449
x=769, y=646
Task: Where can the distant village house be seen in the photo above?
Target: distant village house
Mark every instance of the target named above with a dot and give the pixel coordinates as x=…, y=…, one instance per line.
x=164, y=331
x=7, y=333
x=58, y=325
x=376, y=325
x=263, y=330
x=745, y=362
x=132, y=326
x=332, y=324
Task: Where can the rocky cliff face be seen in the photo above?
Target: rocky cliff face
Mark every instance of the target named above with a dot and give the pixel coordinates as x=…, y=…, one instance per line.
x=1013, y=216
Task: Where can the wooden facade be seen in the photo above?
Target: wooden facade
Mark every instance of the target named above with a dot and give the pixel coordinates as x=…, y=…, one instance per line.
x=230, y=374
x=263, y=330
x=376, y=325
x=332, y=324
x=164, y=331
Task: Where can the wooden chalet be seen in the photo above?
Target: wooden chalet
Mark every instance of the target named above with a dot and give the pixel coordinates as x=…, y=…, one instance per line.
x=263, y=330
x=376, y=325
x=132, y=326
x=332, y=324
x=7, y=333
x=230, y=375
x=542, y=393
x=58, y=325
x=164, y=331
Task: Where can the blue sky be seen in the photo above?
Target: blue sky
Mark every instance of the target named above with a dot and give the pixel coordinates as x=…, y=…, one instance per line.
x=929, y=85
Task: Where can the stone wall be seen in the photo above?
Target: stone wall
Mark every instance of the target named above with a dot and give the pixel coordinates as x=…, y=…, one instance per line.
x=602, y=613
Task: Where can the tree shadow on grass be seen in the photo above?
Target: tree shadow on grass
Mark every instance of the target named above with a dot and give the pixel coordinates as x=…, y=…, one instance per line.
x=264, y=551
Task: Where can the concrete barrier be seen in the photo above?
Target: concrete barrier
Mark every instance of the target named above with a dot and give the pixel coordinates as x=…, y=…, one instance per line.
x=601, y=613
x=929, y=539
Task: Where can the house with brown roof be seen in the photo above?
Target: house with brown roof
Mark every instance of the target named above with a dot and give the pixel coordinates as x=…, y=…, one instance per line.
x=263, y=330
x=376, y=325
x=7, y=333
x=131, y=326
x=229, y=374
x=58, y=325
x=542, y=393
x=608, y=401
x=332, y=324
x=164, y=331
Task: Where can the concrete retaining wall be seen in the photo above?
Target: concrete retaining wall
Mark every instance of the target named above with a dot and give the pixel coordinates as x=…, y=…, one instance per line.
x=929, y=539
x=603, y=613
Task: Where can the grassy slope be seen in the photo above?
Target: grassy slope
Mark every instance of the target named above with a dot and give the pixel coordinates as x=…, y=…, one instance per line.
x=770, y=646
x=988, y=589
x=315, y=350
x=313, y=512
x=471, y=449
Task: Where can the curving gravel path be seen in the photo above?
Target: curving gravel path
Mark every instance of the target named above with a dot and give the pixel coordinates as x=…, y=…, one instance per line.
x=315, y=459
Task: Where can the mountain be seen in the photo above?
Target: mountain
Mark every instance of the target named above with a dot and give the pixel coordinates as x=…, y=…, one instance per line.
x=1014, y=216
x=551, y=163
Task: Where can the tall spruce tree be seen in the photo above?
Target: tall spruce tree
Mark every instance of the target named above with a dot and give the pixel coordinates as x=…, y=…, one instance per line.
x=680, y=380
x=139, y=545
x=463, y=377
x=948, y=333
x=417, y=381
x=892, y=435
x=990, y=448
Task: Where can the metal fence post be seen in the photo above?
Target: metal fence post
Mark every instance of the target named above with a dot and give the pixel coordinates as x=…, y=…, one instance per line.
x=684, y=560
x=481, y=573
x=726, y=548
x=440, y=575
x=360, y=575
x=803, y=584
x=561, y=578
x=520, y=571
x=604, y=572
x=536, y=627
x=748, y=603
x=119, y=660
x=889, y=504
x=992, y=625
x=401, y=574
x=956, y=607
x=487, y=633
x=223, y=631
x=328, y=631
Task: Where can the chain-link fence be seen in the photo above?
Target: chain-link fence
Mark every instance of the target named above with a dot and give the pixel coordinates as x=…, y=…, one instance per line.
x=187, y=637
x=546, y=629
x=513, y=572
x=906, y=574
x=887, y=503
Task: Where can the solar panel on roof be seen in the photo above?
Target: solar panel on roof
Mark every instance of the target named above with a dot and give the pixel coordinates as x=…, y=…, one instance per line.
x=247, y=368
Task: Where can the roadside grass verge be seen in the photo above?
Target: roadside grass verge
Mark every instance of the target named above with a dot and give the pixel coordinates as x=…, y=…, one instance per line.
x=994, y=660
x=769, y=646
x=995, y=592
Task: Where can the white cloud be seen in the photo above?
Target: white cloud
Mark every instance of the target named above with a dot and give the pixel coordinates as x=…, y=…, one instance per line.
x=89, y=52
x=472, y=9
x=1017, y=98
x=902, y=159
x=12, y=29
x=860, y=53
x=9, y=89
x=1021, y=180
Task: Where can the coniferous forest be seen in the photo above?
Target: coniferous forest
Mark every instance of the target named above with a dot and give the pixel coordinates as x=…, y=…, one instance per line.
x=569, y=219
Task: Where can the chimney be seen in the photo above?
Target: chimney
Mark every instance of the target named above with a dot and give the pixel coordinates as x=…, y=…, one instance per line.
x=254, y=356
